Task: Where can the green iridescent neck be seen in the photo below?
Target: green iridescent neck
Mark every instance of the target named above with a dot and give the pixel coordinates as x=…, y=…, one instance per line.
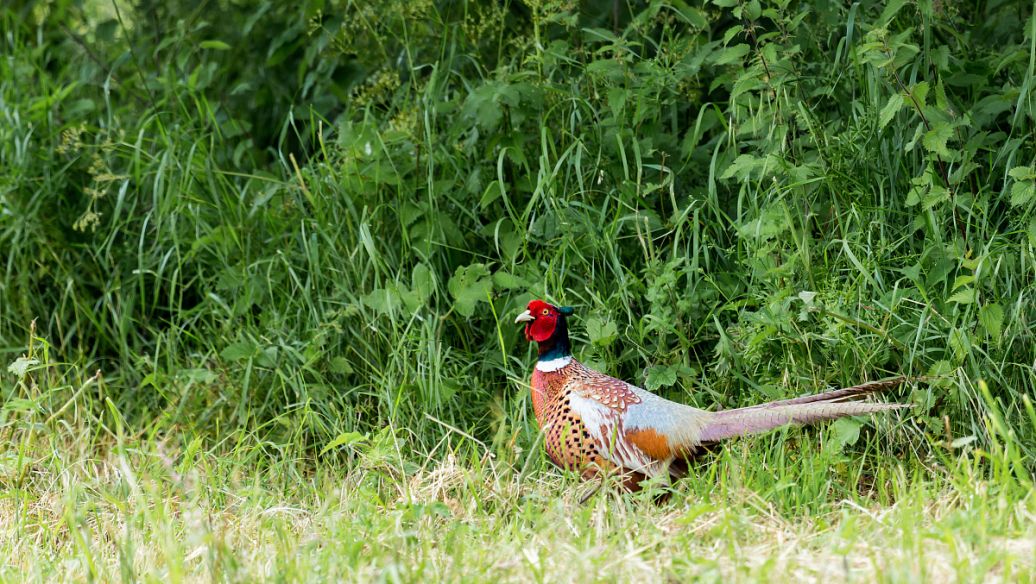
x=558, y=345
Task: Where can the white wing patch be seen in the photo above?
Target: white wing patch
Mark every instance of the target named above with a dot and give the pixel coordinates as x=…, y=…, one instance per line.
x=601, y=422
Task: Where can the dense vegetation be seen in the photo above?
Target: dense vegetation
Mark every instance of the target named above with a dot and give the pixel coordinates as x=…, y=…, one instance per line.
x=294, y=235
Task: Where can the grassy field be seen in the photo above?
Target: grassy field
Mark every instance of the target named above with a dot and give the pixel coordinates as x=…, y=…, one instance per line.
x=261, y=262
x=88, y=499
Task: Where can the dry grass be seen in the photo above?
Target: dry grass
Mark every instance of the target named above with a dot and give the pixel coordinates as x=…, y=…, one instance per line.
x=136, y=512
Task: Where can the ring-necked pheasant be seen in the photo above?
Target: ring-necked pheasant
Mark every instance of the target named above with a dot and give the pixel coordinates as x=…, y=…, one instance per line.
x=592, y=422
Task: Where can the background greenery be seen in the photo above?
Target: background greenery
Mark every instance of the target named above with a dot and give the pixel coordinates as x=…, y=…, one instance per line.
x=293, y=237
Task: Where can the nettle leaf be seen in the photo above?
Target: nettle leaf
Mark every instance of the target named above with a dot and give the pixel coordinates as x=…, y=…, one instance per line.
x=742, y=167
x=1022, y=173
x=469, y=286
x=936, y=194
x=602, y=332
x=926, y=190
x=892, y=107
x=617, y=100
x=920, y=92
x=660, y=376
x=963, y=280
x=991, y=317
x=267, y=357
x=965, y=296
x=1022, y=193
x=935, y=140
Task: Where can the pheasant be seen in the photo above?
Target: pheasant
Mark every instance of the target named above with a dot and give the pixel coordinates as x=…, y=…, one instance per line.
x=592, y=422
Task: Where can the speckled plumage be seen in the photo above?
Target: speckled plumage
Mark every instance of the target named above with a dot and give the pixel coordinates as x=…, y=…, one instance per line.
x=593, y=422
x=570, y=442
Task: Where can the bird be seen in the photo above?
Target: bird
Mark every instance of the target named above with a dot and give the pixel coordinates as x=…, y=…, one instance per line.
x=593, y=423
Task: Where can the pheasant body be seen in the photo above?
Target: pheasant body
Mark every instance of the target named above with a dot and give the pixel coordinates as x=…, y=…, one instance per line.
x=593, y=422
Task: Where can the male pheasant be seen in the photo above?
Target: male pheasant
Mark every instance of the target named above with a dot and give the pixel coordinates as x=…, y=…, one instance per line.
x=592, y=422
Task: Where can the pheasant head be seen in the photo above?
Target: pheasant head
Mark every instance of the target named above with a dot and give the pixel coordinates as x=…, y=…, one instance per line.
x=545, y=324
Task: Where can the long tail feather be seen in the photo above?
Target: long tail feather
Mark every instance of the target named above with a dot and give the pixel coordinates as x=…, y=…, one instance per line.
x=802, y=410
x=838, y=394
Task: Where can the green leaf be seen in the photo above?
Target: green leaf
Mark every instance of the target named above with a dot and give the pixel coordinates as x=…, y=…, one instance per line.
x=914, y=196
x=602, y=332
x=730, y=54
x=890, y=11
x=991, y=317
x=920, y=92
x=341, y=366
x=660, y=376
x=893, y=105
x=1022, y=193
x=508, y=281
x=216, y=45
x=913, y=272
x=753, y=9
x=935, y=139
x=383, y=300
x=960, y=343
x=239, y=351
x=917, y=136
x=617, y=100
x=1022, y=173
x=742, y=167
x=422, y=282
x=469, y=286
x=962, y=281
x=844, y=432
x=935, y=195
x=962, y=441
x=965, y=296
x=20, y=367
x=343, y=439
x=267, y=357
x=940, y=368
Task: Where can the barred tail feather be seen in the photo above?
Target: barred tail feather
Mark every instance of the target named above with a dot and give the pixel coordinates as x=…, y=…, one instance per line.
x=732, y=423
x=837, y=394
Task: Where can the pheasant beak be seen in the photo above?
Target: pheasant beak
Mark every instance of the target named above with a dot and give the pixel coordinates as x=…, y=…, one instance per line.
x=524, y=317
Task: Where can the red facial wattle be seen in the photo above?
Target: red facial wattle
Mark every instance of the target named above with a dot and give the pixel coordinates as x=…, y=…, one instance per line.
x=545, y=320
x=542, y=328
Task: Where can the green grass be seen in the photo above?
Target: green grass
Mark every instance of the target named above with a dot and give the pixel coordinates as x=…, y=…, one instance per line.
x=87, y=499
x=292, y=238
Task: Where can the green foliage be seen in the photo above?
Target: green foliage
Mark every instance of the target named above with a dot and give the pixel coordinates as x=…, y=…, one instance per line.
x=316, y=220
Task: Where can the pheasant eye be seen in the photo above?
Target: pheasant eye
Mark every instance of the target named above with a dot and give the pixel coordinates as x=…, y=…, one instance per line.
x=546, y=312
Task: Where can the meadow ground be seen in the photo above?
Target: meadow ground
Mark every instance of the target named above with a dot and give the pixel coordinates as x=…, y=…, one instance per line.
x=87, y=499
